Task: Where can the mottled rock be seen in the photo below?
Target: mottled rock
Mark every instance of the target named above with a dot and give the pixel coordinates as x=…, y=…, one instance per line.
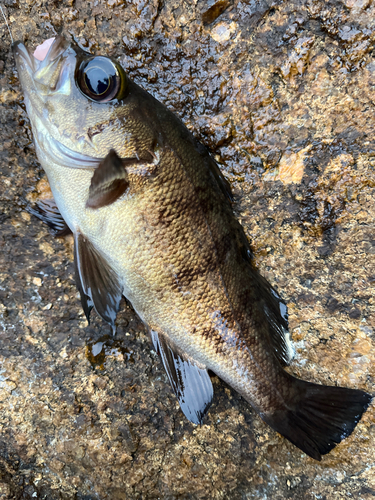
x=283, y=95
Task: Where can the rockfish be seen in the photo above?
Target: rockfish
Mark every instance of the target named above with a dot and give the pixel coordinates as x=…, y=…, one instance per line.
x=152, y=220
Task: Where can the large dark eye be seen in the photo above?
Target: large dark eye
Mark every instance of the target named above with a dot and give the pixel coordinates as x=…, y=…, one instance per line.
x=100, y=79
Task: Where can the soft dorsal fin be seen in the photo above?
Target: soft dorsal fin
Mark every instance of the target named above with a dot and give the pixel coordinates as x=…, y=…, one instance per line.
x=109, y=182
x=277, y=317
x=47, y=211
x=192, y=385
x=97, y=283
x=272, y=304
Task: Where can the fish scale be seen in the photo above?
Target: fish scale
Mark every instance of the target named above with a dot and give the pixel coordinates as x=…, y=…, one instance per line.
x=152, y=220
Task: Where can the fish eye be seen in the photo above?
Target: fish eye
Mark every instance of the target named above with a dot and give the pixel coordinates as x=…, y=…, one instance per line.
x=101, y=79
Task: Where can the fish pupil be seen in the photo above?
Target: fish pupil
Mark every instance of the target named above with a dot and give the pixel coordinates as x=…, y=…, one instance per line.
x=97, y=80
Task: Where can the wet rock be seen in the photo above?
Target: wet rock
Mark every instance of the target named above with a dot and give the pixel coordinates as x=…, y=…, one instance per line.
x=282, y=93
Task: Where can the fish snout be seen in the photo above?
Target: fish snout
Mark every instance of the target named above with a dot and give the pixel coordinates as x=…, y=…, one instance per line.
x=43, y=65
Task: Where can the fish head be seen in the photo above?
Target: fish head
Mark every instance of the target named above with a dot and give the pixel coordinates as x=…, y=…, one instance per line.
x=74, y=100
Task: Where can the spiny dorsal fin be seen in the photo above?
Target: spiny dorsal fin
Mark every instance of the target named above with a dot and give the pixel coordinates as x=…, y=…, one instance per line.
x=109, y=182
x=215, y=170
x=220, y=179
x=47, y=211
x=97, y=283
x=192, y=385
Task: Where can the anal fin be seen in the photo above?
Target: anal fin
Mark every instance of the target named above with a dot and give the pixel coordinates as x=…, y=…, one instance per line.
x=190, y=383
x=98, y=284
x=47, y=212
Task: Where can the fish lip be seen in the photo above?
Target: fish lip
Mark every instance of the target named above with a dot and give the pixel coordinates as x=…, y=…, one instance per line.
x=57, y=48
x=21, y=51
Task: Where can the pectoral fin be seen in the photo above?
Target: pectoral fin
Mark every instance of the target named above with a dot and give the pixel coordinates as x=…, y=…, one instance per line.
x=191, y=384
x=97, y=283
x=109, y=182
x=47, y=211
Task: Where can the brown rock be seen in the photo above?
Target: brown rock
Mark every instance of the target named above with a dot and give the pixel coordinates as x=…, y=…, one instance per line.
x=283, y=95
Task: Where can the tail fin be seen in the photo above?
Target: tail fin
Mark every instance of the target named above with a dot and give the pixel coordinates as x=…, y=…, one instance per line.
x=320, y=417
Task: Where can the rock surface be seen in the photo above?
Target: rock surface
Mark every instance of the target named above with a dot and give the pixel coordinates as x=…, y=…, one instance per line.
x=283, y=93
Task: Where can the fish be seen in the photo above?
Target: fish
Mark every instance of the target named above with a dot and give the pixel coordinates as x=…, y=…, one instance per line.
x=152, y=219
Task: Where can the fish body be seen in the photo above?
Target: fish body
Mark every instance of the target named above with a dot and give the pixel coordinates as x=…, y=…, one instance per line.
x=152, y=220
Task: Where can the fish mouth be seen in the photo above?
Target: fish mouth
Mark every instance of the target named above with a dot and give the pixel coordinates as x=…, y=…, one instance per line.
x=34, y=64
x=44, y=70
